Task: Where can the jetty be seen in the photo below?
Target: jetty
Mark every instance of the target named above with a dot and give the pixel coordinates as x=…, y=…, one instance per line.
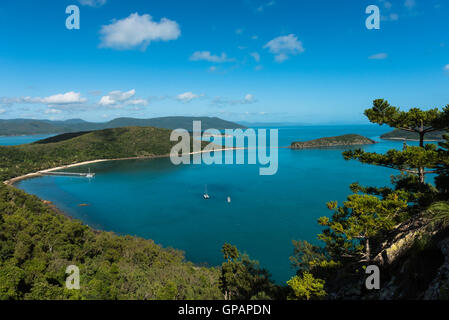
x=69, y=174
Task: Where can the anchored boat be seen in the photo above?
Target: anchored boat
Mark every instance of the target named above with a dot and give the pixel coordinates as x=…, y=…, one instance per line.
x=206, y=195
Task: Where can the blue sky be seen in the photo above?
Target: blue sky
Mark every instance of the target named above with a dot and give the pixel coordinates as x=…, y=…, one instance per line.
x=248, y=60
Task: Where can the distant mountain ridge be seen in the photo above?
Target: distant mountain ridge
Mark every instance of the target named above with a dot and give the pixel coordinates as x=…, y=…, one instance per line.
x=30, y=126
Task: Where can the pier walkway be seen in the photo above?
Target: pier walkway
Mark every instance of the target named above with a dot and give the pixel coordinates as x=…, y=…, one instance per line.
x=70, y=174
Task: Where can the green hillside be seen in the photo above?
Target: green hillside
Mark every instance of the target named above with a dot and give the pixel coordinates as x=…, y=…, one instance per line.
x=401, y=134
x=84, y=146
x=28, y=127
x=344, y=140
x=37, y=244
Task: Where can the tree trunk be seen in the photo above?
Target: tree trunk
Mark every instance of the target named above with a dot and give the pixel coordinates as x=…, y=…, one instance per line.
x=421, y=175
x=421, y=144
x=367, y=250
x=421, y=139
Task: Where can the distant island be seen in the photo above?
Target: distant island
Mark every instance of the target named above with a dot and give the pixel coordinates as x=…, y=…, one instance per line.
x=398, y=134
x=16, y=127
x=344, y=140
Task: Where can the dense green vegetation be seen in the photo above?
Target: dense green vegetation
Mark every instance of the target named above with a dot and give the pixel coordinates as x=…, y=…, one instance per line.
x=28, y=126
x=358, y=232
x=37, y=244
x=344, y=140
x=102, y=144
x=242, y=278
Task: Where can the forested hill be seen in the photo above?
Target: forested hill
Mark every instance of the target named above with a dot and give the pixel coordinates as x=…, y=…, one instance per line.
x=37, y=244
x=83, y=146
x=401, y=134
x=29, y=126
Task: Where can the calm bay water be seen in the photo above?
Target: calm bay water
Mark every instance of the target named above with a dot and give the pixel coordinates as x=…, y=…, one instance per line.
x=16, y=140
x=156, y=200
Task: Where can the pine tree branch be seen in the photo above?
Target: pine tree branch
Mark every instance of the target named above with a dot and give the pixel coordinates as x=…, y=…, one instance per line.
x=407, y=129
x=435, y=129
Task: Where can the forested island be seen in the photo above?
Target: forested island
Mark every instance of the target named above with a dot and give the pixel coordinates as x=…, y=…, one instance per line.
x=344, y=140
x=399, y=134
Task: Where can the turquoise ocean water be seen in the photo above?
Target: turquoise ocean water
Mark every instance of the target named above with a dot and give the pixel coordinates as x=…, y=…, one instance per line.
x=157, y=200
x=16, y=140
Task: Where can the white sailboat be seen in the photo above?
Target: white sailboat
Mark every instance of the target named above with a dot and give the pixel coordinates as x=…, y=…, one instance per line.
x=90, y=174
x=206, y=195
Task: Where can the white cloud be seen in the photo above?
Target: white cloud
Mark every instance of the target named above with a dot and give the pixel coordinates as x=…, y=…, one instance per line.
x=446, y=68
x=284, y=46
x=118, y=98
x=213, y=68
x=53, y=111
x=410, y=4
x=137, y=102
x=387, y=14
x=57, y=99
x=247, y=99
x=255, y=37
x=378, y=56
x=256, y=56
x=64, y=98
x=394, y=17
x=188, y=96
x=207, y=56
x=239, y=31
x=92, y=3
x=387, y=5
x=266, y=5
x=2, y=111
x=138, y=31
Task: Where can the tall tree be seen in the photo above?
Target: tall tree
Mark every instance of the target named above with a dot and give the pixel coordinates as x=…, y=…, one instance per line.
x=415, y=160
x=354, y=224
x=414, y=120
x=442, y=180
x=242, y=278
x=419, y=161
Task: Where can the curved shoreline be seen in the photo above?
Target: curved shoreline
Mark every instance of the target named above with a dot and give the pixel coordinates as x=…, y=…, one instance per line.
x=404, y=139
x=12, y=181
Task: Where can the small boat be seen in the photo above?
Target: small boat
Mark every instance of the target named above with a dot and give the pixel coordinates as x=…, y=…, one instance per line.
x=83, y=205
x=206, y=195
x=229, y=199
x=90, y=174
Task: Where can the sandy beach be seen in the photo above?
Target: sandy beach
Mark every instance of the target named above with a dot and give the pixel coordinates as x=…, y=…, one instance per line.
x=39, y=173
x=402, y=139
